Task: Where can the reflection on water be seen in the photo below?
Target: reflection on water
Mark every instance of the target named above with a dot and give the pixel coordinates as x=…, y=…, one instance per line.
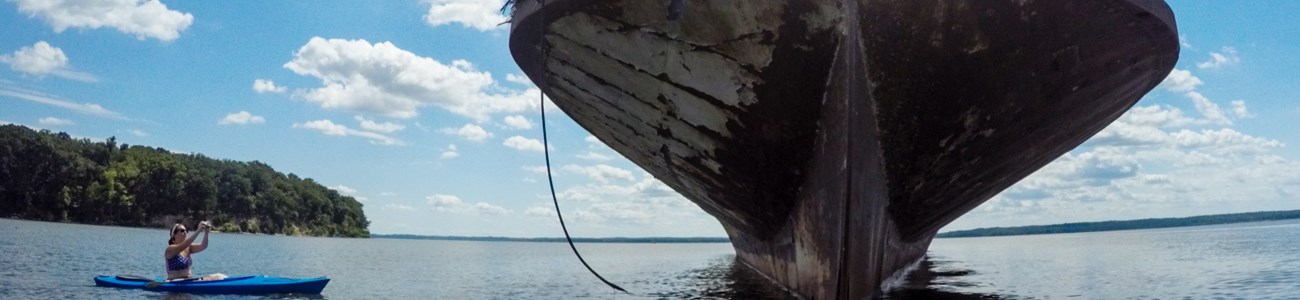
x=935, y=278
x=723, y=278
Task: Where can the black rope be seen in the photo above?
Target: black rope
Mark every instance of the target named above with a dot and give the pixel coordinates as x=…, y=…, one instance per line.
x=541, y=10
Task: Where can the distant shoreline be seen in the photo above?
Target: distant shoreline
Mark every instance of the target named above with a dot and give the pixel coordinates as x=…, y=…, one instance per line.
x=690, y=240
x=1126, y=225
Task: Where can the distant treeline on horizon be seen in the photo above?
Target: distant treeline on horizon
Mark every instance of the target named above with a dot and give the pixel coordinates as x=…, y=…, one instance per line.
x=54, y=177
x=1126, y=225
x=556, y=239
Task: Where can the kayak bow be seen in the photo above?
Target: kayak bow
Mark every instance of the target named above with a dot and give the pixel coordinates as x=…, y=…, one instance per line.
x=248, y=285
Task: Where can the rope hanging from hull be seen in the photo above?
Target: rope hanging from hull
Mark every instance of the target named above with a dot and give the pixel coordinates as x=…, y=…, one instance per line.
x=541, y=84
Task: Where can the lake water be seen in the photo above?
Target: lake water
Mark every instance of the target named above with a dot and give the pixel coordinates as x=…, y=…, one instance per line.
x=1236, y=261
x=1240, y=261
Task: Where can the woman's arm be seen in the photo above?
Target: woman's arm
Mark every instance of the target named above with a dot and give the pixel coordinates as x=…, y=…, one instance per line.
x=196, y=248
x=172, y=250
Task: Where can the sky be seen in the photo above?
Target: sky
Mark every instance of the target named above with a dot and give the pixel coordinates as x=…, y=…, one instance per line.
x=417, y=109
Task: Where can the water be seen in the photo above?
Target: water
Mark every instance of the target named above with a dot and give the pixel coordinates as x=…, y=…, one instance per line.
x=40, y=260
x=1240, y=261
x=1237, y=261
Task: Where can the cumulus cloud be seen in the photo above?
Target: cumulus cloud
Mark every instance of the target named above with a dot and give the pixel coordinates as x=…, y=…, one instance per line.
x=343, y=189
x=535, y=169
x=643, y=203
x=52, y=121
x=383, y=79
x=1225, y=56
x=38, y=97
x=469, y=132
x=328, y=127
x=1239, y=109
x=482, y=15
x=453, y=204
x=385, y=127
x=601, y=173
x=267, y=86
x=518, y=122
x=1154, y=158
x=41, y=59
x=1181, y=81
x=540, y=211
x=524, y=144
x=141, y=18
x=241, y=118
x=450, y=152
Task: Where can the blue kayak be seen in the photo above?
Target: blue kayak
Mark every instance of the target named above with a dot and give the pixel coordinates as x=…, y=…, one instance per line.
x=247, y=285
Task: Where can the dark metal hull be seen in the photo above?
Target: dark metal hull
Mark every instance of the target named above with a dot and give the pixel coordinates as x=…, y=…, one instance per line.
x=833, y=138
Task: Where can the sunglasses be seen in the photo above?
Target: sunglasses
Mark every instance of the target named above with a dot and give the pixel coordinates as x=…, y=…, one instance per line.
x=179, y=230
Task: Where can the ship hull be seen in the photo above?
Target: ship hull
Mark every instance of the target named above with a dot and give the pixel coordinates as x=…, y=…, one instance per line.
x=832, y=139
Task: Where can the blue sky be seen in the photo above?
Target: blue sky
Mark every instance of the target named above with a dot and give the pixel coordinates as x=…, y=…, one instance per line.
x=417, y=109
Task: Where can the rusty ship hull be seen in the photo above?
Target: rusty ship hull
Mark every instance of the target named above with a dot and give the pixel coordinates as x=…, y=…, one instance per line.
x=832, y=139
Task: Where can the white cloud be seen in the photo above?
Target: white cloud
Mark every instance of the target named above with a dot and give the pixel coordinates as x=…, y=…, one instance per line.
x=52, y=121
x=388, y=194
x=601, y=173
x=483, y=15
x=489, y=209
x=594, y=156
x=469, y=132
x=383, y=79
x=535, y=169
x=450, y=152
x=519, y=79
x=329, y=128
x=1181, y=81
x=1153, y=159
x=1239, y=109
x=440, y=202
x=139, y=133
x=41, y=59
x=518, y=122
x=453, y=204
x=85, y=108
x=1225, y=56
x=343, y=189
x=1213, y=114
x=142, y=18
x=645, y=203
x=267, y=86
x=540, y=211
x=398, y=207
x=385, y=127
x=524, y=144
x=241, y=118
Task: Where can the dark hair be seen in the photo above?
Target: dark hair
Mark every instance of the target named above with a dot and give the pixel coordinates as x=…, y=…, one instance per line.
x=172, y=236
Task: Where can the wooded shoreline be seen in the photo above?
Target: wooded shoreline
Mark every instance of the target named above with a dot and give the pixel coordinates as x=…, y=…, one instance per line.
x=51, y=176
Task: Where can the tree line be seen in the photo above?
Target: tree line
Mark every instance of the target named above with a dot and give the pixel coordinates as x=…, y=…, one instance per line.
x=54, y=177
x=1127, y=225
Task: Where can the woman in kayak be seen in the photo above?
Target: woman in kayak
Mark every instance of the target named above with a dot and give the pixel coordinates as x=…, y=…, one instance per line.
x=180, y=250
